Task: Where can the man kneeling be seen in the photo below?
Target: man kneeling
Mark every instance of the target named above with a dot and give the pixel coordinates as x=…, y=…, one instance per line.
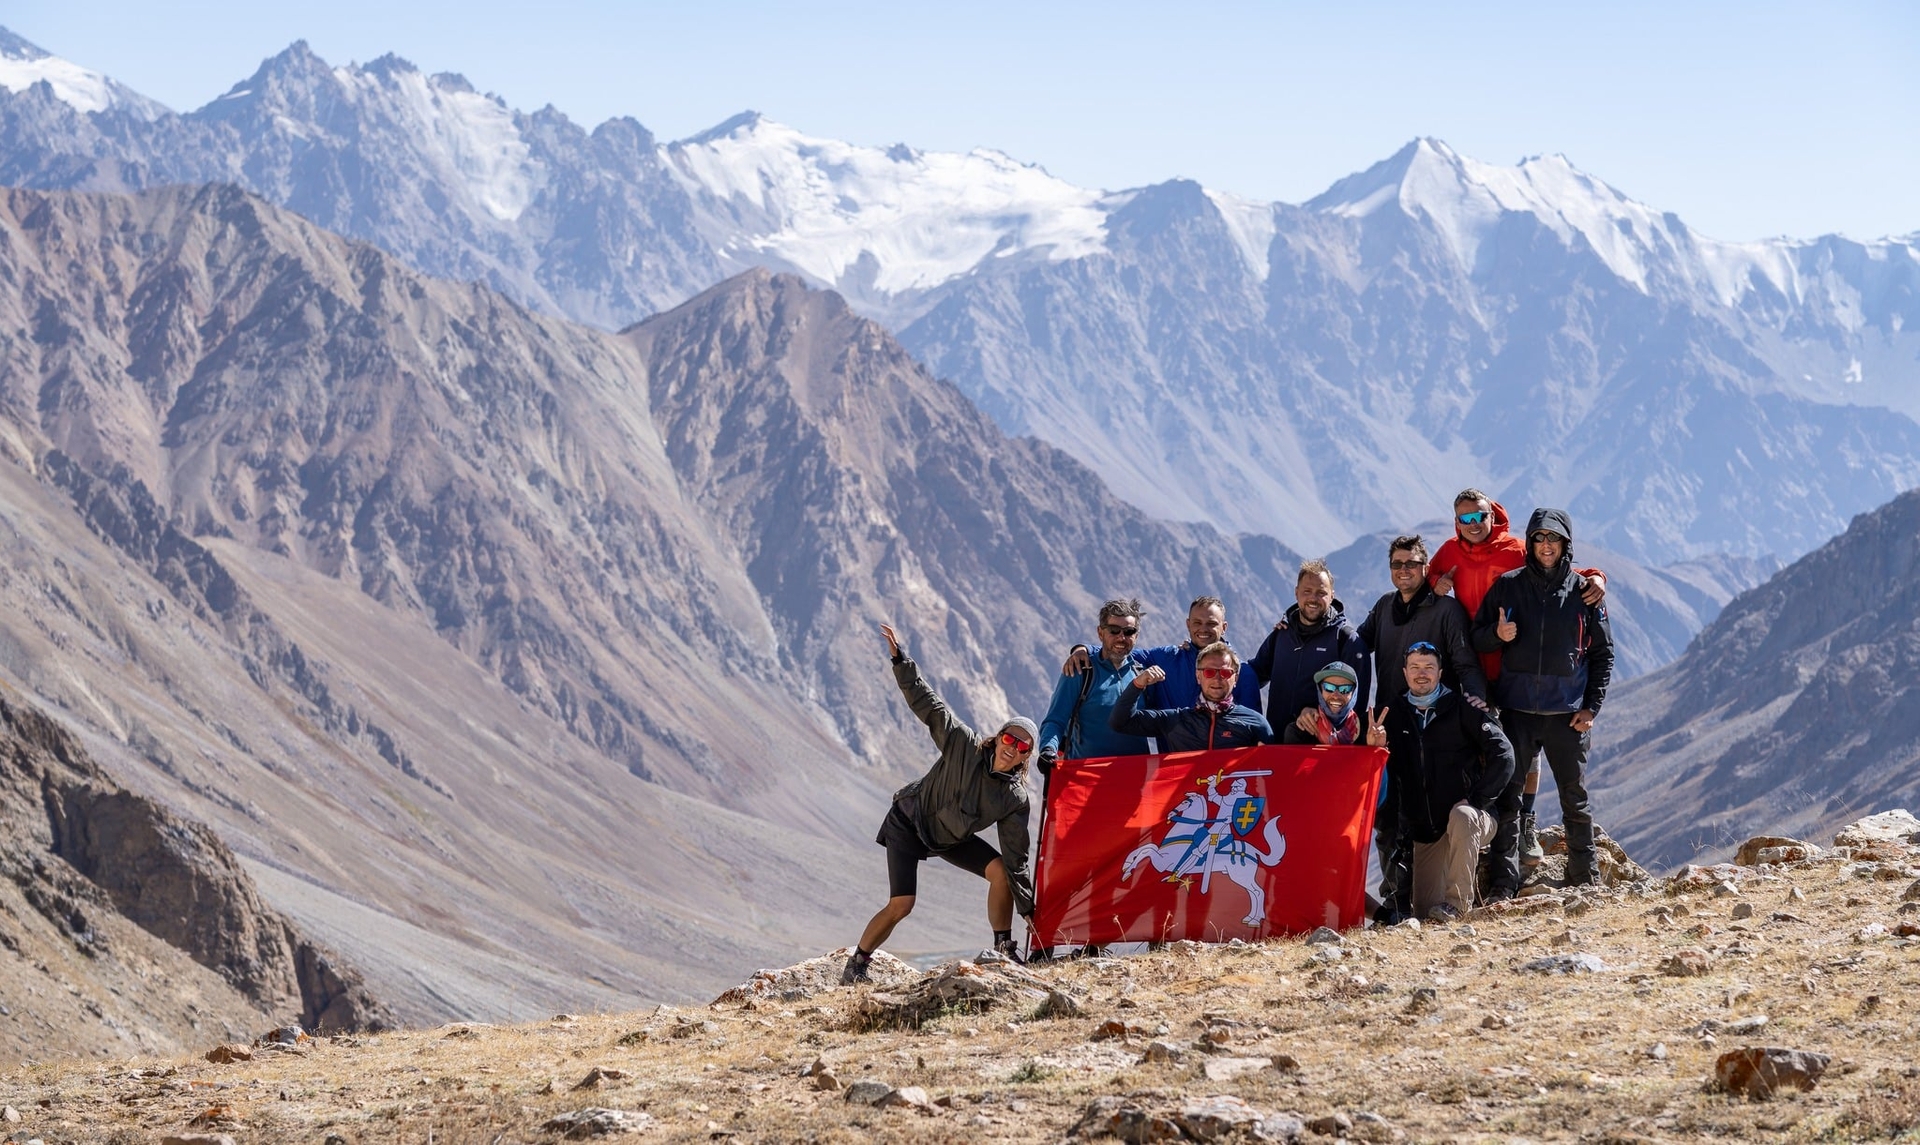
x=979, y=781
x=1447, y=763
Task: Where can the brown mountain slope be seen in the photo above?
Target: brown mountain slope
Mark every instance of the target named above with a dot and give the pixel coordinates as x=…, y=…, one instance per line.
x=1792, y=712
x=532, y=666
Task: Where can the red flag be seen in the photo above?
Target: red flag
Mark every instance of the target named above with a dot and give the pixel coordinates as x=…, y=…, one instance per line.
x=1208, y=845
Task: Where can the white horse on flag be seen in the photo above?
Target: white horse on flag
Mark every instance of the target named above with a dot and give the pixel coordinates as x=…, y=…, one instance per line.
x=1213, y=834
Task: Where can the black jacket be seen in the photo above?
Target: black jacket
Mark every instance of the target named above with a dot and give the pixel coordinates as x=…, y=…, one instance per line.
x=1438, y=620
x=1291, y=655
x=1459, y=753
x=1189, y=729
x=1561, y=660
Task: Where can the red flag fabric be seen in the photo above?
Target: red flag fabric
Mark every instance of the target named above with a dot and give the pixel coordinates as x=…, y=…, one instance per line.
x=1207, y=845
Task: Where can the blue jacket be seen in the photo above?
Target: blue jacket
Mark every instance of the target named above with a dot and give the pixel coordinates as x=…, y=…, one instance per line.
x=1287, y=661
x=1095, y=738
x=1191, y=729
x=1181, y=688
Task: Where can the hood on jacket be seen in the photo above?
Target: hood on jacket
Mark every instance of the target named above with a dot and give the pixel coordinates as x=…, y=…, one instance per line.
x=1551, y=521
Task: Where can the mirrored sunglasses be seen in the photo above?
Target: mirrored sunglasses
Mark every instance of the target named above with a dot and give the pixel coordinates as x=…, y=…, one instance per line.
x=1015, y=742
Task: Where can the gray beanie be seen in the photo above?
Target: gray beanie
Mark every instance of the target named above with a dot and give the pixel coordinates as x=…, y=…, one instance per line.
x=1025, y=725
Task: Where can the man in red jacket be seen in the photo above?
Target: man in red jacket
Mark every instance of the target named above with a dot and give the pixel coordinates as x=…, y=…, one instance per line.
x=1481, y=551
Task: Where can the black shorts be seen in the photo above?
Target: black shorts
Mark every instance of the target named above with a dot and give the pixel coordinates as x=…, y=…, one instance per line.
x=906, y=850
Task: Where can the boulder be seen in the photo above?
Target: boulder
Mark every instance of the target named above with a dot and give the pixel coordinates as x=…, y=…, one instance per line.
x=1691, y=962
x=1216, y=1118
x=1762, y=850
x=1616, y=868
x=1887, y=827
x=816, y=976
x=1759, y=1072
x=1565, y=964
x=579, y=1124
x=962, y=986
x=1226, y=1069
x=866, y=1091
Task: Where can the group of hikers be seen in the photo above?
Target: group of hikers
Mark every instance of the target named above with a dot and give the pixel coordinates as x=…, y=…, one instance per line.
x=1485, y=655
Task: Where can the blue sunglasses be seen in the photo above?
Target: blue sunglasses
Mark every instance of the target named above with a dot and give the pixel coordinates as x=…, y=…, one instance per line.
x=1473, y=518
x=1343, y=689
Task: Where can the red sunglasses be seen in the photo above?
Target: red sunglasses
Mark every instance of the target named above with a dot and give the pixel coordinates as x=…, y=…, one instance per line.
x=1015, y=742
x=1217, y=673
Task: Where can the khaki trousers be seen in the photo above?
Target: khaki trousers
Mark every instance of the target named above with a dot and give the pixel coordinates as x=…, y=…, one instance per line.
x=1444, y=872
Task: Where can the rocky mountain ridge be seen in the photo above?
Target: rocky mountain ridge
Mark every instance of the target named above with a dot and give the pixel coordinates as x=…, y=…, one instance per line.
x=1429, y=323
x=529, y=665
x=106, y=888
x=1789, y=713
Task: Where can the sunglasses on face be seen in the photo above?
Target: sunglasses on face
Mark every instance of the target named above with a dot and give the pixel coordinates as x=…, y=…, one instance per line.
x=1342, y=689
x=1542, y=538
x=1218, y=673
x=1015, y=742
x=1403, y=566
x=1473, y=518
x=1422, y=646
x=1116, y=630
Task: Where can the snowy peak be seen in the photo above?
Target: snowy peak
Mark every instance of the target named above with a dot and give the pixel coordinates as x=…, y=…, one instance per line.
x=472, y=141
x=1465, y=199
x=23, y=64
x=894, y=219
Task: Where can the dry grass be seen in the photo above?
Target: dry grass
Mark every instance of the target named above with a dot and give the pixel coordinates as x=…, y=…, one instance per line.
x=1494, y=1054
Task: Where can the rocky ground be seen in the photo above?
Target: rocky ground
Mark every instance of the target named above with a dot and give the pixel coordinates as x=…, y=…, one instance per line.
x=1612, y=1015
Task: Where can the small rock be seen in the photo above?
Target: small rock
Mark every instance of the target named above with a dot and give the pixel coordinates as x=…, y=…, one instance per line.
x=596, y=1122
x=190, y=1139
x=1689, y=963
x=230, y=1053
x=1761, y=1071
x=1496, y=1022
x=1331, y=1125
x=1158, y=1051
x=826, y=1081
x=1060, y=1005
x=906, y=1097
x=1325, y=934
x=1425, y=1000
x=1907, y=929
x=1119, y=1117
x=868, y=1092
x=596, y=1075
x=284, y=1036
x=1327, y=954
x=1743, y=910
x=1412, y=924
x=10, y=1115
x=1912, y=893
x=1215, y=1118
x=1744, y=1027
x=1658, y=1052
x=1565, y=964
x=1725, y=890
x=1870, y=932
x=1764, y=849
x=1226, y=1069
x=1795, y=894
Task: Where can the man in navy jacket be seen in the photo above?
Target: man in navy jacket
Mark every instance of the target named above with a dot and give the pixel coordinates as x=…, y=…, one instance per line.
x=1314, y=633
x=1214, y=721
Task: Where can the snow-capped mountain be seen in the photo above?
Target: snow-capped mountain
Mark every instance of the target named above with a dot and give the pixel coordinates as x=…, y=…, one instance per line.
x=1429, y=323
x=22, y=65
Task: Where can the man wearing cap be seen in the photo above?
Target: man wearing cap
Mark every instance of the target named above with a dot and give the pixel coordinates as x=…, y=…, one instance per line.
x=1481, y=550
x=1336, y=713
x=1214, y=721
x=1556, y=660
x=1448, y=764
x=979, y=781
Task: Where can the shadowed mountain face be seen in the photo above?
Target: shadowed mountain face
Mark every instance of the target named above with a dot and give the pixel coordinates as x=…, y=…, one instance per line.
x=529, y=665
x=1792, y=712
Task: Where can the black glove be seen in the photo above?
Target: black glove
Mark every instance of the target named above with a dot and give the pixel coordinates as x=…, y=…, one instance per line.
x=1048, y=757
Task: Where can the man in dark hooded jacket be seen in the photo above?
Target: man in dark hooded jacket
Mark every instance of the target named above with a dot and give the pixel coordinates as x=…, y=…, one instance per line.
x=1556, y=660
x=1314, y=633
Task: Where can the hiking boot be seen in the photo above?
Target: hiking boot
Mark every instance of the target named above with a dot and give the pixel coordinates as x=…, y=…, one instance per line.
x=1499, y=892
x=1581, y=871
x=855, y=971
x=1010, y=950
x=1443, y=912
x=1530, y=852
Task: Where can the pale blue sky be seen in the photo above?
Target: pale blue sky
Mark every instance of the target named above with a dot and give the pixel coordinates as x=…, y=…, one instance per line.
x=1746, y=120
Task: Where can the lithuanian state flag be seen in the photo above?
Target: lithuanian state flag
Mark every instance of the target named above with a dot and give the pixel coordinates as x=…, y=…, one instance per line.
x=1207, y=845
